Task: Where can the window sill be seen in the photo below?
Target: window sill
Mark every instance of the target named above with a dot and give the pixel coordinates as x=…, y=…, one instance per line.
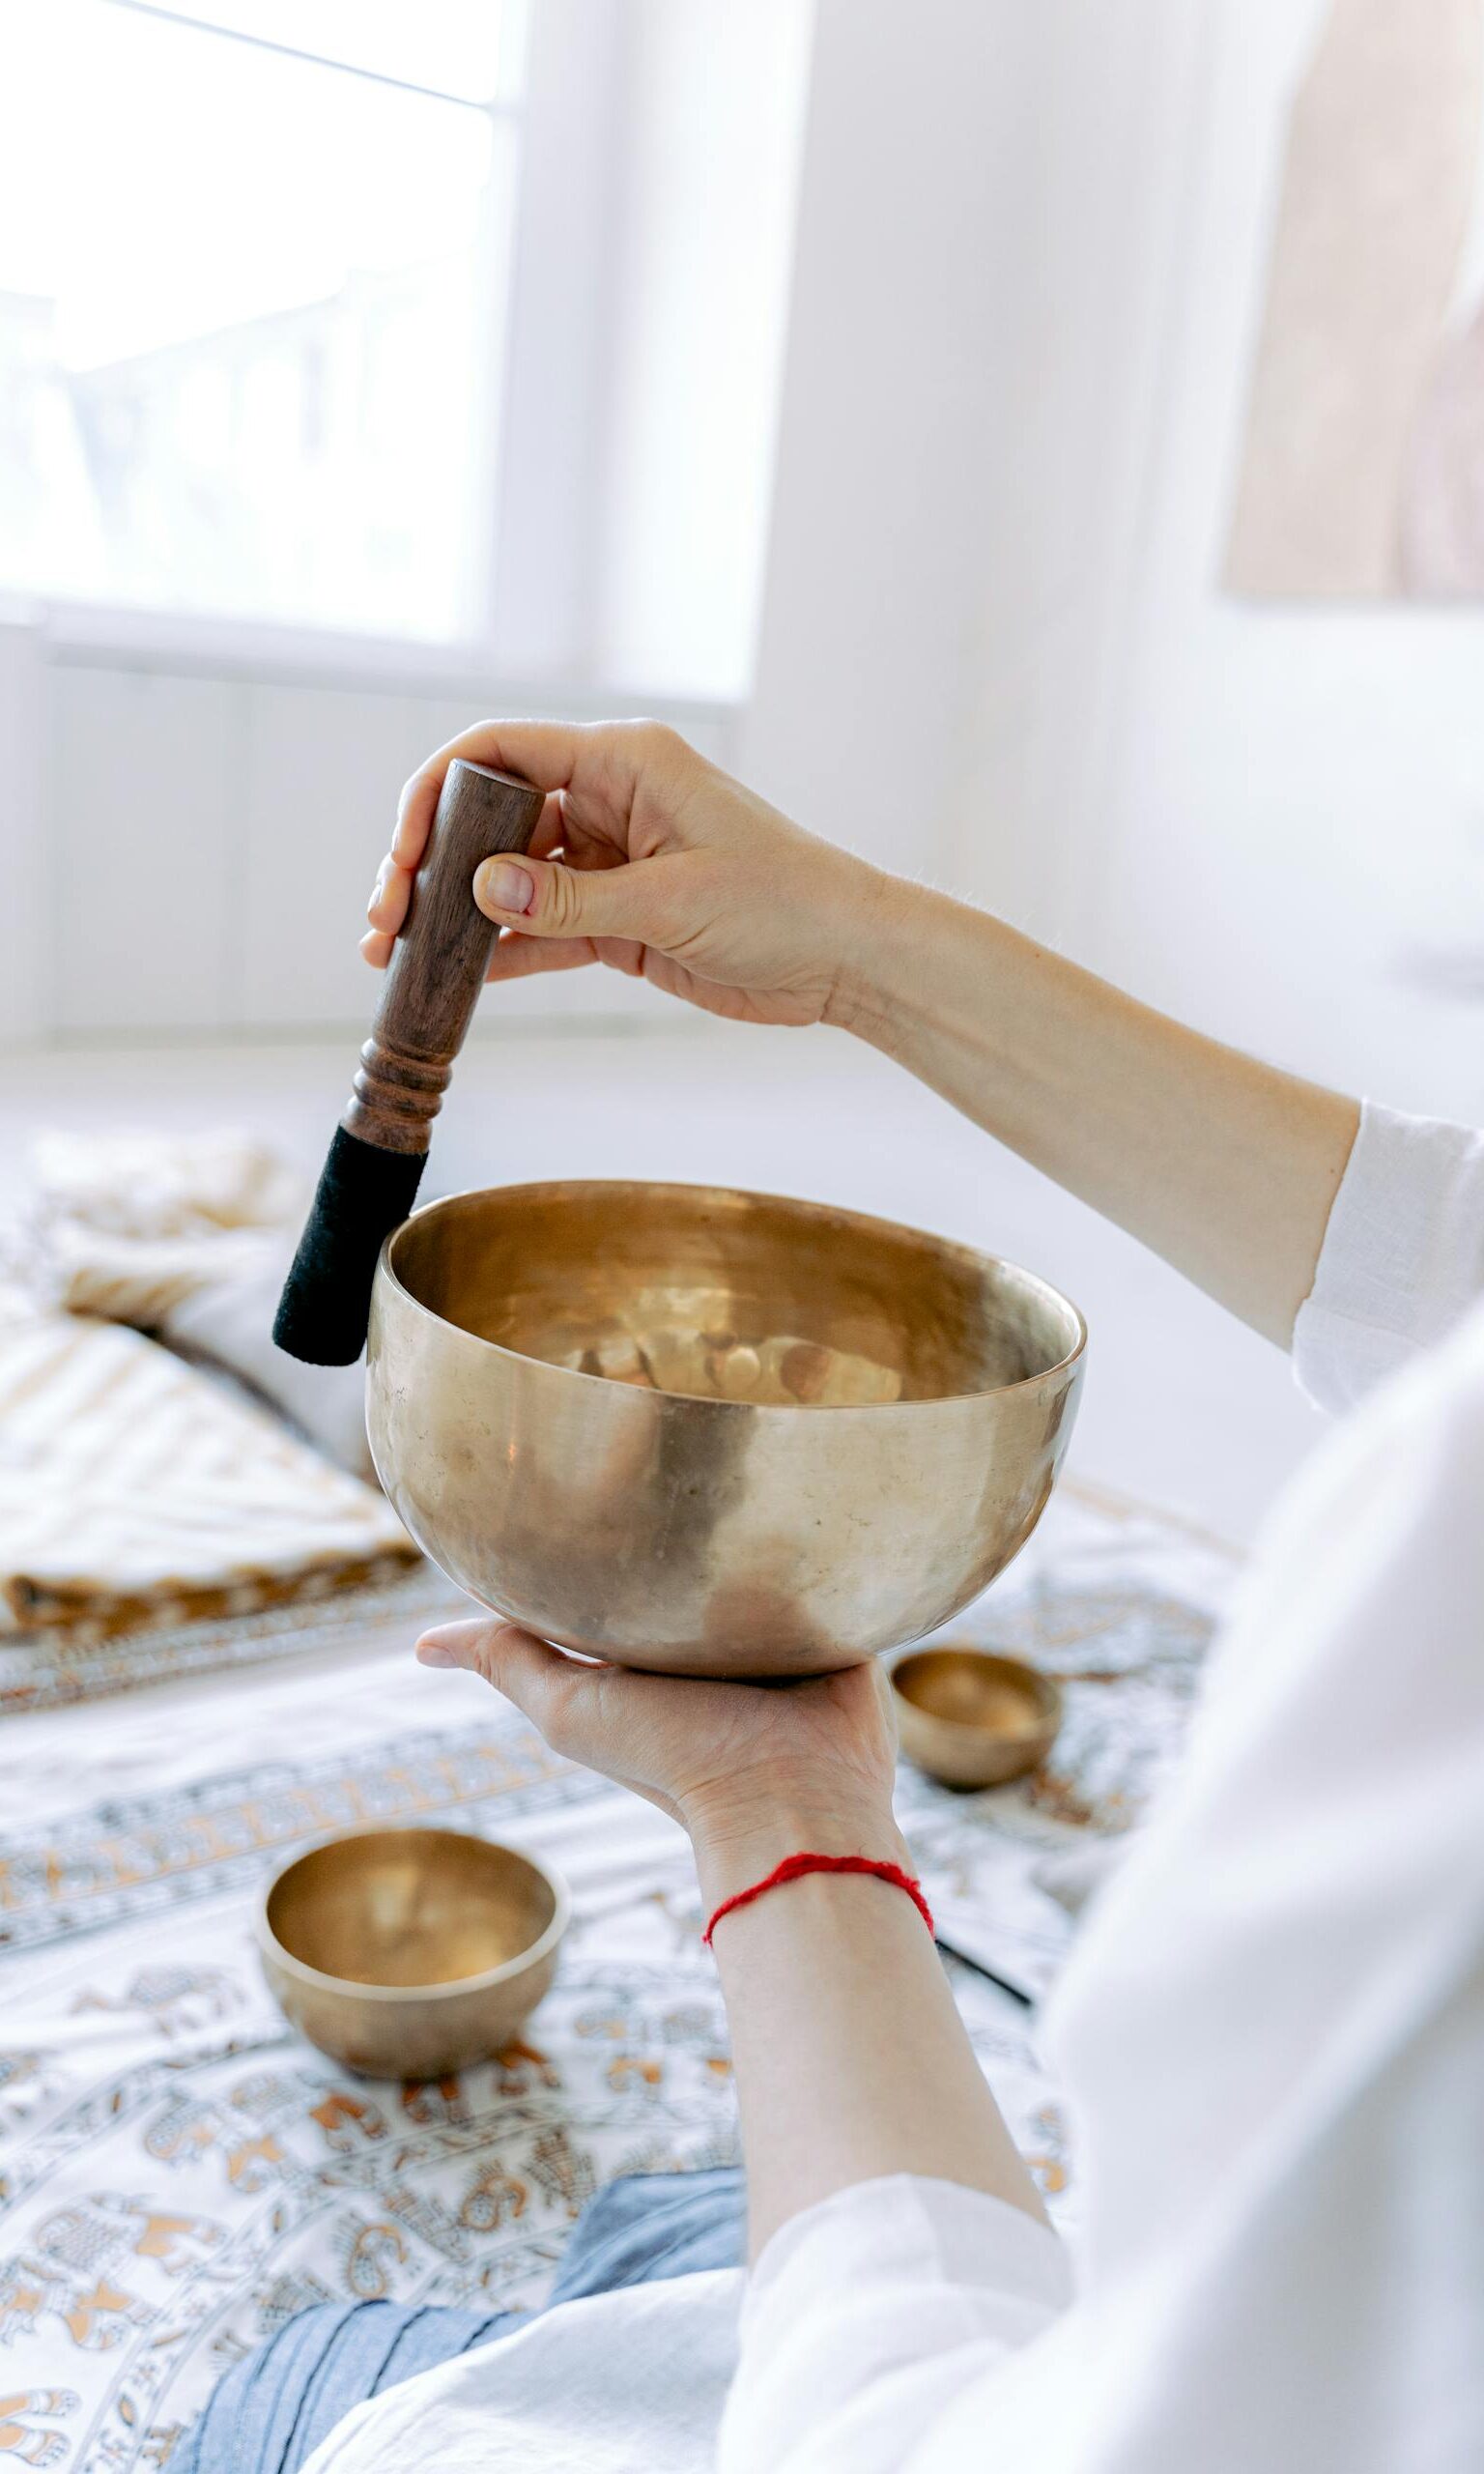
x=84, y=636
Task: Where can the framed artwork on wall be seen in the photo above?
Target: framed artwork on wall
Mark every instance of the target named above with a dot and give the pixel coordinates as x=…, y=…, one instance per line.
x=1361, y=473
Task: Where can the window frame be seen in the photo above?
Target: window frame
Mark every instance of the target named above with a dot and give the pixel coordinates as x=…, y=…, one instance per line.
x=573, y=58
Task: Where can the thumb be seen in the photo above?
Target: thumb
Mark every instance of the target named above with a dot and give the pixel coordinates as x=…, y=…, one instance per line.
x=541, y=898
x=531, y=1673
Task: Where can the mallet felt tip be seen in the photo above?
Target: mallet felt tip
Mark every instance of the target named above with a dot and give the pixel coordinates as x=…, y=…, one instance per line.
x=376, y=1160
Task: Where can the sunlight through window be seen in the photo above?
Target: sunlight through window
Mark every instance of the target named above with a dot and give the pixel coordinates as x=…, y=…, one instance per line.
x=253, y=278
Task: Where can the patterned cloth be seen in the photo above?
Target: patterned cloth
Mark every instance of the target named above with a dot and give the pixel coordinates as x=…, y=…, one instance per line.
x=180, y=2174
x=51, y=1666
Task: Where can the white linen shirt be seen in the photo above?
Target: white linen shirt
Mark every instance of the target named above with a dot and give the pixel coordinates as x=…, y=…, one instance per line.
x=1271, y=2036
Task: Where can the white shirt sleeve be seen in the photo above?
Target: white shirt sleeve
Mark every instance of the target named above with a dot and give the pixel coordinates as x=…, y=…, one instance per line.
x=1403, y=1257
x=866, y=2315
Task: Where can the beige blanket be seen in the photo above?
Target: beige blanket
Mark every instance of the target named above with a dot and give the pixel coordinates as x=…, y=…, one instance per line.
x=133, y=1487
x=190, y=1238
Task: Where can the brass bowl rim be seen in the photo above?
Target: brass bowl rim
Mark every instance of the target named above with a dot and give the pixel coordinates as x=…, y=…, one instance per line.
x=865, y=1220
x=1047, y=1693
x=545, y=1943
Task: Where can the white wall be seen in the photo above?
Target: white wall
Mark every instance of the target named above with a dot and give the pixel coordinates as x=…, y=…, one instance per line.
x=713, y=126
x=980, y=258
x=915, y=147
x=207, y=843
x=22, y=860
x=559, y=343
x=1030, y=255
x=647, y=319
x=1295, y=795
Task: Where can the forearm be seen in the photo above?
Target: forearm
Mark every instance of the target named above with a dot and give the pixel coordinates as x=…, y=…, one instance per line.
x=852, y=2062
x=1225, y=1167
x=850, y=2059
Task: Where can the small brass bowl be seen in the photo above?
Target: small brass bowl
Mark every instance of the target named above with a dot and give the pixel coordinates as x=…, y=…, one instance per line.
x=410, y=1953
x=972, y=1718
x=711, y=1433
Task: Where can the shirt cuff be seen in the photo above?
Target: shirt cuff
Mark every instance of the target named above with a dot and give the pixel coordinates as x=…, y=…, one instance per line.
x=865, y=2314
x=907, y=2220
x=1403, y=1256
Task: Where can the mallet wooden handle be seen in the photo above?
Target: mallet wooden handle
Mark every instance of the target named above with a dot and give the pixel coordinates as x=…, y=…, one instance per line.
x=438, y=964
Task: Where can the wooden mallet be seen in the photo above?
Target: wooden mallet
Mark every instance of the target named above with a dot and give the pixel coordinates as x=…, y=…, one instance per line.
x=438, y=966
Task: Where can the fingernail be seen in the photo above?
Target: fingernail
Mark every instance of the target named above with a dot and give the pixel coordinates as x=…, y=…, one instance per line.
x=504, y=886
x=431, y=1652
x=376, y=892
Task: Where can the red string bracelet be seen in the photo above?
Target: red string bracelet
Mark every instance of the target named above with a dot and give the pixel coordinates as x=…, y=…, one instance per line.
x=794, y=1867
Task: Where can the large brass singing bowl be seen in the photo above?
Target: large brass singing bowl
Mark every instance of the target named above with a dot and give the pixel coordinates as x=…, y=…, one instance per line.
x=712, y=1433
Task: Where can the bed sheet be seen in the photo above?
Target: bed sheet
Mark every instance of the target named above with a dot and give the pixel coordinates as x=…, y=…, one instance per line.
x=179, y=2171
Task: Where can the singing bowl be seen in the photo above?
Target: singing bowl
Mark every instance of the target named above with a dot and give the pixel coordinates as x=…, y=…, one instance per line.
x=708, y=1432
x=971, y=1717
x=410, y=1953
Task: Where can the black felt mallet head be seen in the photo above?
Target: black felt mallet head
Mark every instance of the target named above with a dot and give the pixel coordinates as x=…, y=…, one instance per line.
x=370, y=1179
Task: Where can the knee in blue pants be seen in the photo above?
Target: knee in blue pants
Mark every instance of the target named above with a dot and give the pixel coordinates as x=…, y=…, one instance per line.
x=272, y=2410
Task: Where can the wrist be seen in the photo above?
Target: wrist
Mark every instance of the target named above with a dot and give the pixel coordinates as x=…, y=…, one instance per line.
x=739, y=1840
x=886, y=945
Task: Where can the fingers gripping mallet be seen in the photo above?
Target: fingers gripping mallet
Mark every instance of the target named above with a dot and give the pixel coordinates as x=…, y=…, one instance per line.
x=432, y=982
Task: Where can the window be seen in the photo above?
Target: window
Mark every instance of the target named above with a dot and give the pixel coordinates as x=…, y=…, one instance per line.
x=430, y=339
x=253, y=272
